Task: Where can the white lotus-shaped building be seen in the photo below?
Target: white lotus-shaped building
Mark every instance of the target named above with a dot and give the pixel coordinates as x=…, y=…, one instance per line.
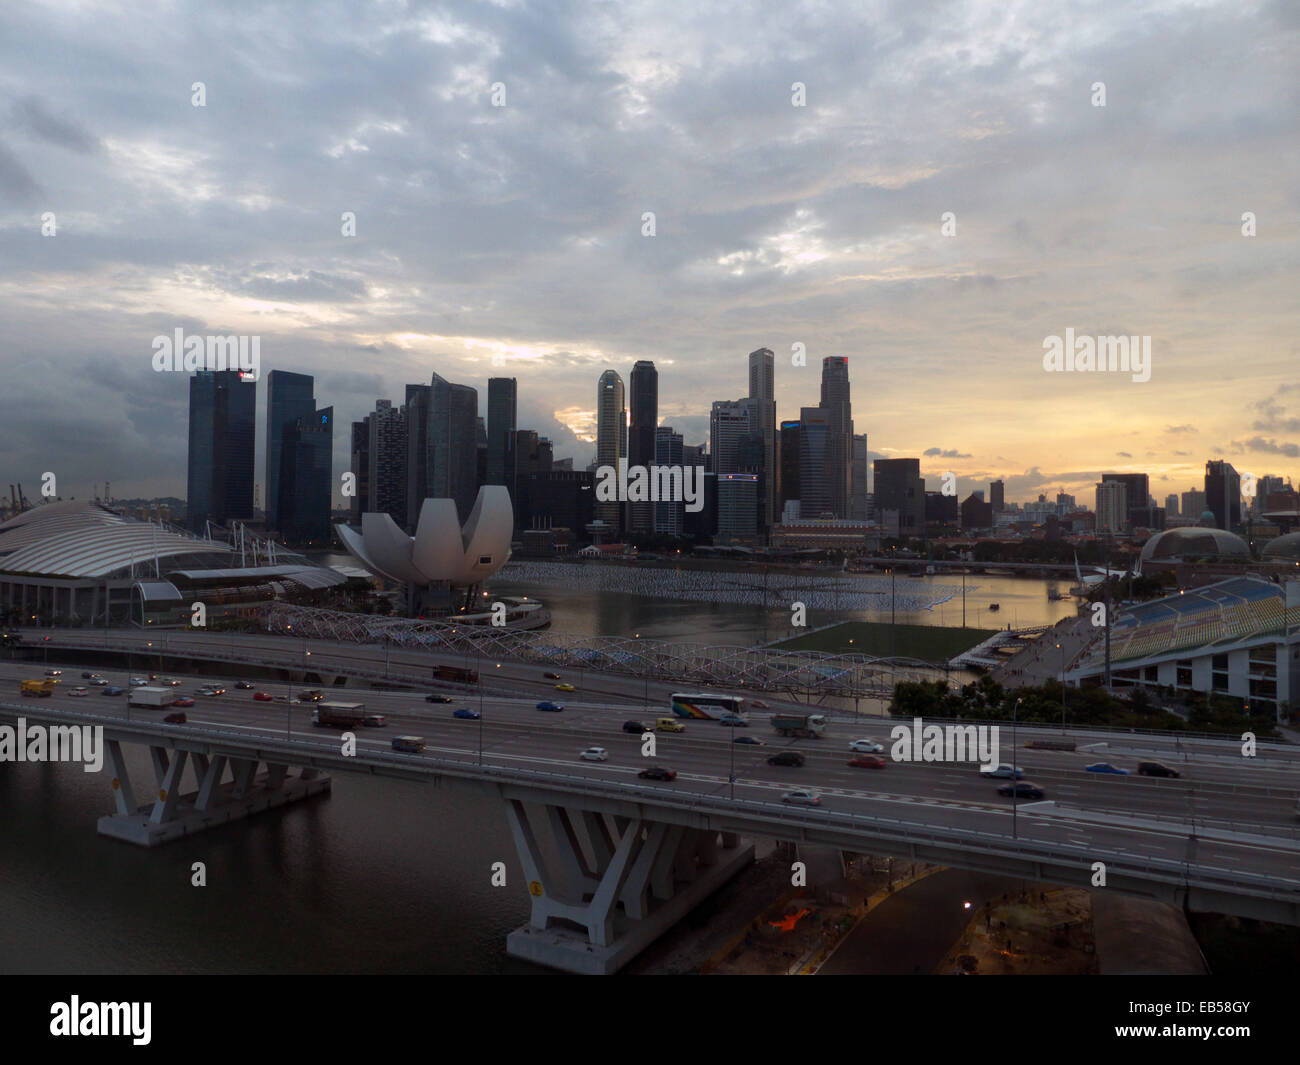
x=440, y=552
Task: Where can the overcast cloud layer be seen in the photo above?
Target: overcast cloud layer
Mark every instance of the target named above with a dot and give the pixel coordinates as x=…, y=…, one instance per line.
x=516, y=231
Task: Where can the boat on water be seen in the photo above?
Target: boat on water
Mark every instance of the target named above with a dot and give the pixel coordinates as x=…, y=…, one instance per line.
x=994, y=606
x=1055, y=594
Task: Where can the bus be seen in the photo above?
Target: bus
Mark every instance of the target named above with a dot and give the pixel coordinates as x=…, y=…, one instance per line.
x=707, y=707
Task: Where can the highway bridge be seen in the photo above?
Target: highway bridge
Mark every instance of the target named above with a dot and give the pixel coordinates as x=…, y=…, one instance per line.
x=612, y=860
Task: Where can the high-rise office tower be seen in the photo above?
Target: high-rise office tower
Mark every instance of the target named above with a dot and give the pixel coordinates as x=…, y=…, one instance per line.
x=451, y=438
x=415, y=414
x=669, y=514
x=1171, y=505
x=835, y=401
x=858, y=497
x=1137, y=495
x=222, y=440
x=502, y=411
x=288, y=398
x=1112, y=506
x=900, y=487
x=386, y=457
x=762, y=392
x=1223, y=493
x=789, y=462
x=1193, y=504
x=360, y=452
x=527, y=454
x=997, y=495
x=814, y=464
x=729, y=421
x=306, y=476
x=644, y=409
x=611, y=436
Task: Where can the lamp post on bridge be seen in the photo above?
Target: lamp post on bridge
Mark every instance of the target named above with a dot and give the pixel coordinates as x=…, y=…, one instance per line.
x=1015, y=780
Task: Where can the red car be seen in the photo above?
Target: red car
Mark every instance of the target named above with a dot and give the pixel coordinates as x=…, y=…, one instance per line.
x=551, y=676
x=262, y=697
x=868, y=761
x=187, y=701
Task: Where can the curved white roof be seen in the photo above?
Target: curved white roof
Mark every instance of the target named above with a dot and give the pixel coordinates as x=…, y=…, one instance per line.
x=84, y=539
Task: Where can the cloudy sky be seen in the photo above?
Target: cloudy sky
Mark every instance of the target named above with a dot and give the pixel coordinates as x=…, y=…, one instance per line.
x=508, y=240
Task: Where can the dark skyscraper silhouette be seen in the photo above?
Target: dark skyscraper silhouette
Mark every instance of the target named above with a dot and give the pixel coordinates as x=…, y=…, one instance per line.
x=222, y=440
x=502, y=412
x=288, y=398
x=644, y=410
x=839, y=446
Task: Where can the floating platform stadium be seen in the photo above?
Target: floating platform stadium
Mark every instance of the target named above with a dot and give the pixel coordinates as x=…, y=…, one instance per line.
x=1239, y=637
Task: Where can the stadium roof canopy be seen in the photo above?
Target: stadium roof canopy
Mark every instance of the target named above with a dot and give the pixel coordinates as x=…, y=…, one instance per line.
x=1191, y=543
x=1283, y=548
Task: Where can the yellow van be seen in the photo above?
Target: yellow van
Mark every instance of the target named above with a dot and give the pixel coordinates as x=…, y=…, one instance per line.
x=669, y=724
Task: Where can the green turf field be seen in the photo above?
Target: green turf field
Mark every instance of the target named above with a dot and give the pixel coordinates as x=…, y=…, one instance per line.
x=930, y=643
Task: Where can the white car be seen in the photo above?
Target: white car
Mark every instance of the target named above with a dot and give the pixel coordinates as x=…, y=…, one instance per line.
x=138, y=682
x=802, y=798
x=595, y=754
x=79, y=691
x=1002, y=770
x=867, y=746
x=99, y=682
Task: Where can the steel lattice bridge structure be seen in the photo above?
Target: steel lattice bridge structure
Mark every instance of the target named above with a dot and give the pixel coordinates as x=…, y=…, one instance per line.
x=805, y=675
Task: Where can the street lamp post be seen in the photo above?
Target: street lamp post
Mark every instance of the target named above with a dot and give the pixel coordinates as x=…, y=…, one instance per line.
x=479, y=662
x=1015, y=780
x=1061, y=647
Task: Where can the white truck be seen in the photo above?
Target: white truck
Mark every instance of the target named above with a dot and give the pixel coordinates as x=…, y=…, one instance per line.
x=154, y=698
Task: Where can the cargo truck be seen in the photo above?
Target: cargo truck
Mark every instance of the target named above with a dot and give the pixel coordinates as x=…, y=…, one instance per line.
x=806, y=725
x=154, y=698
x=339, y=715
x=455, y=674
x=38, y=688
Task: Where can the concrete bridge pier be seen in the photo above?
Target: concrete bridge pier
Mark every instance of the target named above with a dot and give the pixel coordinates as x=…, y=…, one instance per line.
x=605, y=885
x=217, y=800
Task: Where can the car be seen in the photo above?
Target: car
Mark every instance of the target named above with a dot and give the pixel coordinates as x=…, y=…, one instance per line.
x=1022, y=789
x=658, y=772
x=637, y=728
x=1156, y=769
x=112, y=689
x=595, y=754
x=54, y=672
x=1003, y=769
x=99, y=682
x=749, y=739
x=551, y=676
x=1105, y=767
x=153, y=676
x=565, y=688
x=211, y=691
x=138, y=682
x=669, y=724
x=802, y=798
x=264, y=697
x=171, y=682
x=437, y=698
x=177, y=718
x=87, y=676
x=758, y=704
x=733, y=721
x=243, y=685
x=546, y=704
x=373, y=721
x=866, y=746
x=867, y=761
x=79, y=690
x=466, y=714
x=408, y=744
x=312, y=695
x=187, y=701
x=786, y=758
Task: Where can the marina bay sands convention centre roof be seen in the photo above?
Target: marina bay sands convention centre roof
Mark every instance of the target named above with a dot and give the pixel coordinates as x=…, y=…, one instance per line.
x=82, y=561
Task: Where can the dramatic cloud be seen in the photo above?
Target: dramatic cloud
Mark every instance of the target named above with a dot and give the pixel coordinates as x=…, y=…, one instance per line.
x=926, y=214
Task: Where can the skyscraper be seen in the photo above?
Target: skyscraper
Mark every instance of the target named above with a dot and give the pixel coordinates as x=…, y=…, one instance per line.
x=503, y=395
x=729, y=421
x=1223, y=493
x=1171, y=505
x=644, y=408
x=386, y=457
x=858, y=497
x=668, y=514
x=762, y=392
x=1112, y=506
x=1193, y=504
x=222, y=440
x=1137, y=496
x=611, y=435
x=451, y=438
x=997, y=495
x=839, y=451
x=288, y=398
x=360, y=452
x=789, y=450
x=814, y=447
x=900, y=487
x=306, y=477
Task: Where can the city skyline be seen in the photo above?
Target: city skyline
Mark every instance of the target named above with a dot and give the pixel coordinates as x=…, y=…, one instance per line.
x=819, y=226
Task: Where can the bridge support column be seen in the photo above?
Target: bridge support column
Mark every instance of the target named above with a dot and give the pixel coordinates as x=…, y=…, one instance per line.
x=602, y=896
x=174, y=813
